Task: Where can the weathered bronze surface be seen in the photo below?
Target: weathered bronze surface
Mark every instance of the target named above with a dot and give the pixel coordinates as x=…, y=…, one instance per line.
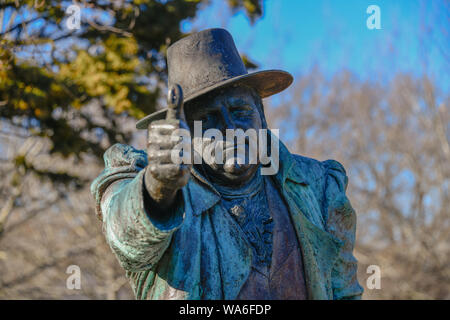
x=225, y=231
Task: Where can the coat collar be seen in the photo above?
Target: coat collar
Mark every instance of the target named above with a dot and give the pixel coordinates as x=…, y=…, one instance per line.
x=288, y=168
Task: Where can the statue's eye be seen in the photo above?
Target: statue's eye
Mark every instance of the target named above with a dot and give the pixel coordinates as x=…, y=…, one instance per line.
x=241, y=111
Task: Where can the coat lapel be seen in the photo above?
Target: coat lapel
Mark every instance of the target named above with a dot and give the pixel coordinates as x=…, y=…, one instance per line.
x=319, y=248
x=230, y=245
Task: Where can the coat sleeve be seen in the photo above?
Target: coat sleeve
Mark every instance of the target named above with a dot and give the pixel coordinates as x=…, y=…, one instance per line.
x=341, y=223
x=136, y=235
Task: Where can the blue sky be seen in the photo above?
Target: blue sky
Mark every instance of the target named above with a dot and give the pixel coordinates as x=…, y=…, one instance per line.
x=294, y=35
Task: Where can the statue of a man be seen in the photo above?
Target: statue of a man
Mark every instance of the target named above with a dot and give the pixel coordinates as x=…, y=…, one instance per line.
x=223, y=230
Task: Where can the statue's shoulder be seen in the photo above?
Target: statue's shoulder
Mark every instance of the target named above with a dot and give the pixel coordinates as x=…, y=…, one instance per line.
x=119, y=155
x=121, y=162
x=317, y=172
x=316, y=167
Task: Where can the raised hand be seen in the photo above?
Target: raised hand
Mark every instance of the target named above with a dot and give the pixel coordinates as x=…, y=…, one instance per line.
x=163, y=177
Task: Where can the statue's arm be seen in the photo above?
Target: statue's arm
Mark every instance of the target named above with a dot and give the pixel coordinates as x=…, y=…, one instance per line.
x=341, y=222
x=137, y=233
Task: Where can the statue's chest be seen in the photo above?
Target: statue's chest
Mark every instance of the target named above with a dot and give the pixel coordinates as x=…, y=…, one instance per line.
x=254, y=217
x=277, y=268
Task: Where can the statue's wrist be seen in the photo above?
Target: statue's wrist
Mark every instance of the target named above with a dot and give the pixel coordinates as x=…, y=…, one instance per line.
x=165, y=213
x=161, y=194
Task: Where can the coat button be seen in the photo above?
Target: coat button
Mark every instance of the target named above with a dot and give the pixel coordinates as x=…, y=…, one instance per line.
x=237, y=211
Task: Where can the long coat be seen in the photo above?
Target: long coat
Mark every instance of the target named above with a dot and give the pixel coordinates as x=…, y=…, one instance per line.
x=200, y=252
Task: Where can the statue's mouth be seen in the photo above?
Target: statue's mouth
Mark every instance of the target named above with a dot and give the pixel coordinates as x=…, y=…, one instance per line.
x=236, y=159
x=232, y=158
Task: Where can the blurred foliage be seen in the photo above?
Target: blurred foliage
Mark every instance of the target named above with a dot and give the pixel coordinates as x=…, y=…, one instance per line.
x=65, y=96
x=49, y=74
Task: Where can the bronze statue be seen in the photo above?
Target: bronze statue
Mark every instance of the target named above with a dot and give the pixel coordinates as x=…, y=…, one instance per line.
x=214, y=230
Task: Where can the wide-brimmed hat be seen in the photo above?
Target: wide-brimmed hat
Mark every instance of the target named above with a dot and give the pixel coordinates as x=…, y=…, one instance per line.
x=208, y=60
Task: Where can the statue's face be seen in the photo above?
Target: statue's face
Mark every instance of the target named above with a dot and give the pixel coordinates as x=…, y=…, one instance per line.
x=230, y=108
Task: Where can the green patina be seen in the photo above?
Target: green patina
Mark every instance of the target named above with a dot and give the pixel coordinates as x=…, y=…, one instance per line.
x=201, y=253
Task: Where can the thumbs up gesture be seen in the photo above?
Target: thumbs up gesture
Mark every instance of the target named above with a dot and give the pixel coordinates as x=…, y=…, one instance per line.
x=163, y=177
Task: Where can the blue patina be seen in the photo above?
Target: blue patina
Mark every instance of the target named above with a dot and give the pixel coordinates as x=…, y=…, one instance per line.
x=200, y=252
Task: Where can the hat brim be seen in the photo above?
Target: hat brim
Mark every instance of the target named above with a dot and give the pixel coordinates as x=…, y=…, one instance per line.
x=266, y=83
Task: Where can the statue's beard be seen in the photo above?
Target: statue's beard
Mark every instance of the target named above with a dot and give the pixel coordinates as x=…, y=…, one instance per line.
x=228, y=162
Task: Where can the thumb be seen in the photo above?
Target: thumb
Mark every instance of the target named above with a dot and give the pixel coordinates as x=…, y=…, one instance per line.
x=175, y=103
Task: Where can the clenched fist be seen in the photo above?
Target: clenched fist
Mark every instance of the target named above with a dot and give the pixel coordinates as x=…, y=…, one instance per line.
x=163, y=176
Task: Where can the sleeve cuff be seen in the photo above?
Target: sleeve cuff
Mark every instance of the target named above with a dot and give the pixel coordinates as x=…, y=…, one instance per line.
x=165, y=222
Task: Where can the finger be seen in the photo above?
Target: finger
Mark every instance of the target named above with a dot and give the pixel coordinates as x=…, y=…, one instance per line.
x=158, y=141
x=160, y=156
x=175, y=103
x=168, y=171
x=164, y=127
x=179, y=154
